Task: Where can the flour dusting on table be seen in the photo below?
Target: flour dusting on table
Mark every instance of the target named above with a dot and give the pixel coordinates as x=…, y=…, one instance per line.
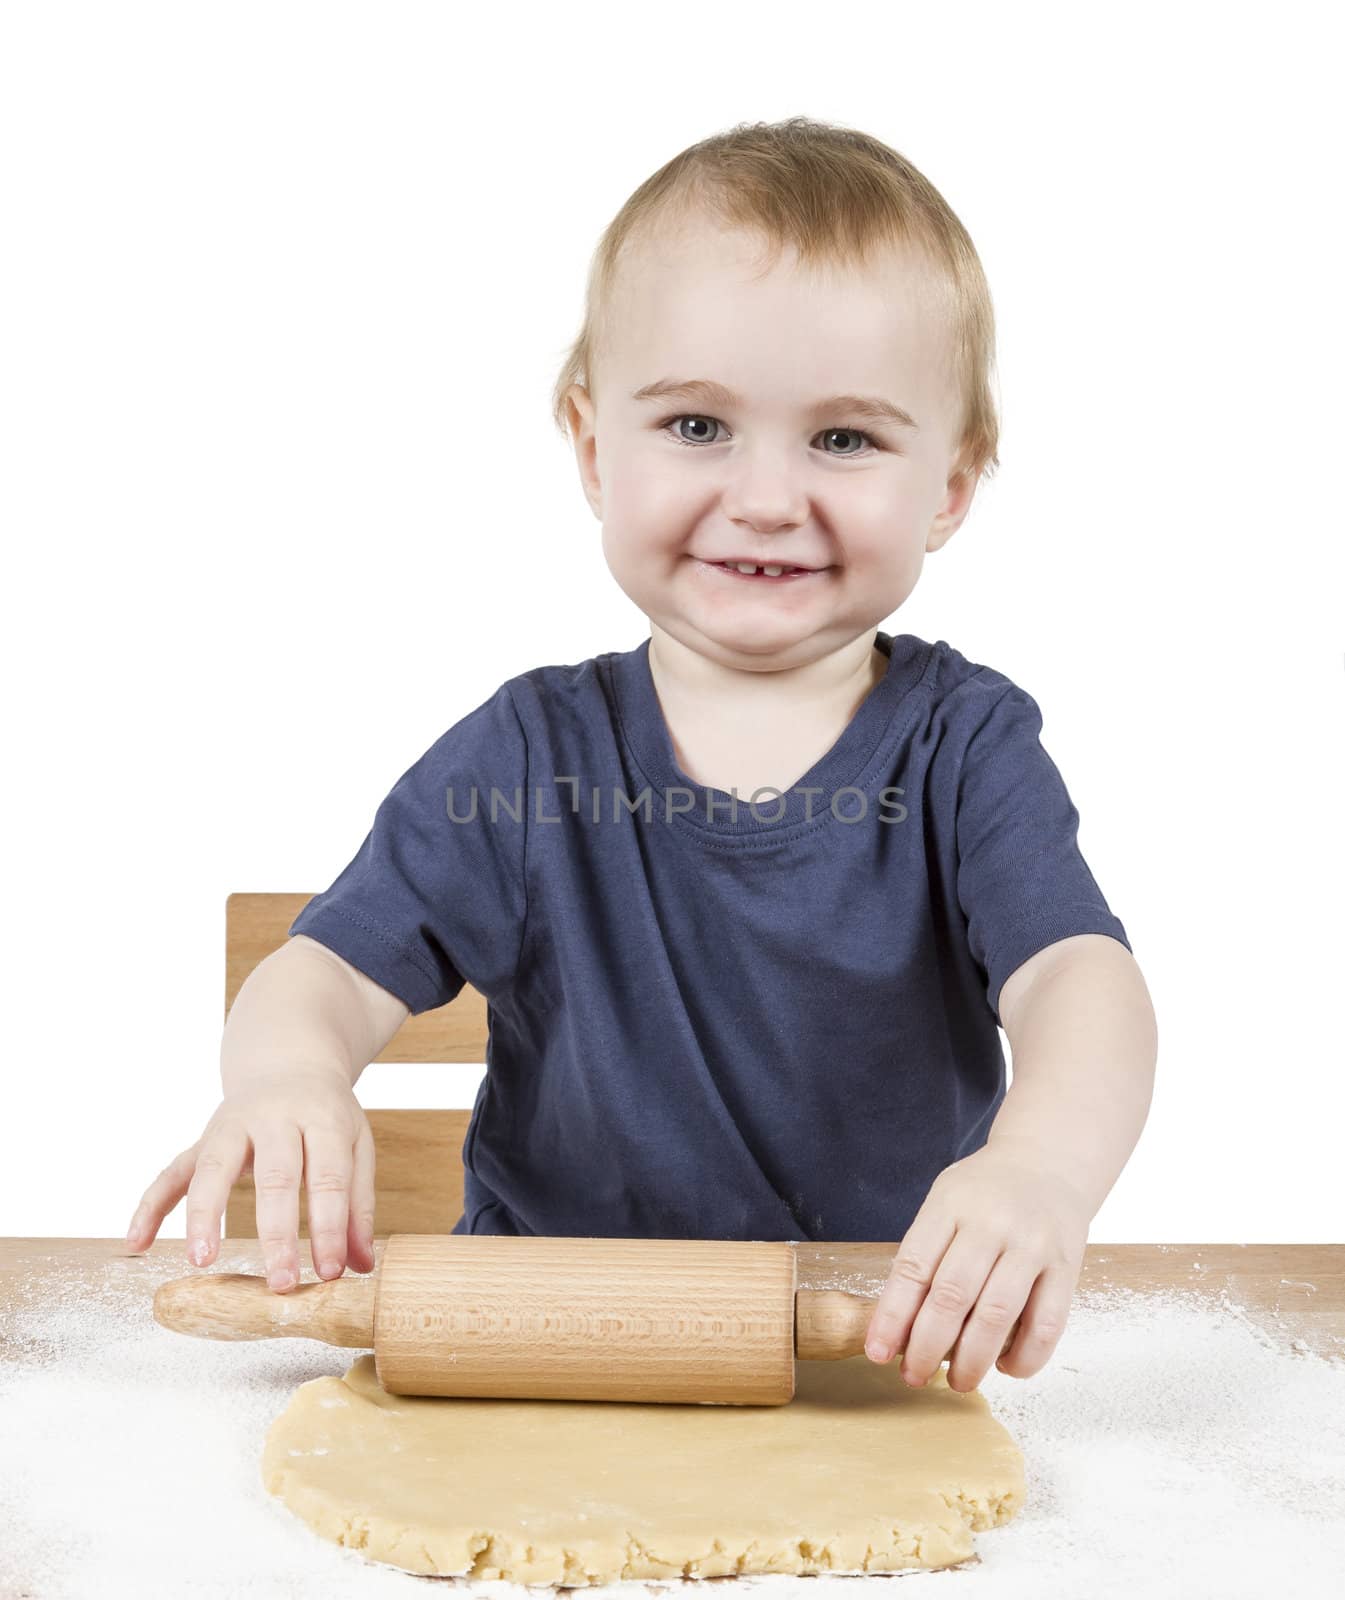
x=1172, y=1449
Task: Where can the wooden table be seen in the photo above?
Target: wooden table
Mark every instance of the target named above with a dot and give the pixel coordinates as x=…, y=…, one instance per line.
x=1294, y=1294
x=1290, y=1291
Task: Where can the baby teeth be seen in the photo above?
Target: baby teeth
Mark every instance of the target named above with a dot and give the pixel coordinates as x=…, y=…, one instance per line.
x=749, y=567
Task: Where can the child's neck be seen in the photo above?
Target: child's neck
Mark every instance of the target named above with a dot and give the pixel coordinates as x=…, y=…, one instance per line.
x=757, y=730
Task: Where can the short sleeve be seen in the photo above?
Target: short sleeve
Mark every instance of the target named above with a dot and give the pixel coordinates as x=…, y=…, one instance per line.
x=436, y=895
x=1022, y=881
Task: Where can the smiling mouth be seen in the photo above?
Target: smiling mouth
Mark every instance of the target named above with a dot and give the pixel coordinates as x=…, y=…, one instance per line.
x=764, y=572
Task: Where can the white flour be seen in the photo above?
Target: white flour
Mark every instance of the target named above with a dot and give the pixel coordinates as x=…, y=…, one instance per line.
x=1172, y=1449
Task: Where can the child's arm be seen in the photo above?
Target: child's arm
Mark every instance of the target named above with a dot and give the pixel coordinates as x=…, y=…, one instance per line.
x=1085, y=1044
x=1003, y=1231
x=301, y=1030
x=305, y=1006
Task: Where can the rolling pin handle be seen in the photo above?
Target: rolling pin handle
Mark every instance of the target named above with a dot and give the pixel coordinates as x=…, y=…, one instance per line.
x=830, y=1324
x=233, y=1305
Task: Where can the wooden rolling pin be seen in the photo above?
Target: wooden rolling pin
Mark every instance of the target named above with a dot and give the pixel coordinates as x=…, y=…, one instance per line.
x=710, y=1321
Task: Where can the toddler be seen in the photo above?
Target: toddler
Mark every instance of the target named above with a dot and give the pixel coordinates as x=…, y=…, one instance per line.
x=750, y=902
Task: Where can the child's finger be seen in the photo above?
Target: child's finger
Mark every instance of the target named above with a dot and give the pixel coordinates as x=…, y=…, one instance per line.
x=327, y=1171
x=912, y=1272
x=961, y=1276
x=159, y=1199
x=361, y=1223
x=219, y=1159
x=276, y=1168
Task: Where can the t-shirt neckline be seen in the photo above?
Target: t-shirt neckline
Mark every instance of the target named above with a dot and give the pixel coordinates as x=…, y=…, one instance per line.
x=850, y=762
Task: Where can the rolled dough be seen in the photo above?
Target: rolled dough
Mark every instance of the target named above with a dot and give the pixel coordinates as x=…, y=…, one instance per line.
x=858, y=1473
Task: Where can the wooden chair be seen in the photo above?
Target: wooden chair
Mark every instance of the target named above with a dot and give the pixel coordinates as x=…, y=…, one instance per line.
x=418, y=1154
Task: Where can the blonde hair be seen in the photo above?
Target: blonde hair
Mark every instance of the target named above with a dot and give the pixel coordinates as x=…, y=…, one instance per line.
x=837, y=196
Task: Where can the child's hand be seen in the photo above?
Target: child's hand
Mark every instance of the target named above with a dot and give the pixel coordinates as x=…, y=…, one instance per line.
x=280, y=1126
x=997, y=1232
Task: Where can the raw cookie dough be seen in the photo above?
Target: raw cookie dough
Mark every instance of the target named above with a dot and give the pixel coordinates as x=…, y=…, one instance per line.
x=858, y=1473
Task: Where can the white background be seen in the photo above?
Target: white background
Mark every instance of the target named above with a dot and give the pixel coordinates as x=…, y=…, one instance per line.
x=286, y=288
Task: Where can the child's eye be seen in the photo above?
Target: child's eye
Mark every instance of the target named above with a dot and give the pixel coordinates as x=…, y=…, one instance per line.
x=713, y=422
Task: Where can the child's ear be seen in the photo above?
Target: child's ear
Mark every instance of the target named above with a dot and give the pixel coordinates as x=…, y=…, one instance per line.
x=581, y=420
x=952, y=512
x=579, y=410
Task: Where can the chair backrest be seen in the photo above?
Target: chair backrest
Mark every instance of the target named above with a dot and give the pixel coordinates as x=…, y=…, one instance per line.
x=418, y=1154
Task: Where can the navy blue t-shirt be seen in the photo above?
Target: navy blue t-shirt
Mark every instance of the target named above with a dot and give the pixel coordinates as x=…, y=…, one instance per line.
x=710, y=1021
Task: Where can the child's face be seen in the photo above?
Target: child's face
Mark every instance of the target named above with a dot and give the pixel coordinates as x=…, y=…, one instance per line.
x=766, y=475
